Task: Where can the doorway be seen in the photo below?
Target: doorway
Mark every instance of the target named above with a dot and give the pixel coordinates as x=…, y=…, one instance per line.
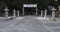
x=29, y=11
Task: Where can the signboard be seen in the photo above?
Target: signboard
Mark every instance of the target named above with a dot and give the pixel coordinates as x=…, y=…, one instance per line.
x=29, y=5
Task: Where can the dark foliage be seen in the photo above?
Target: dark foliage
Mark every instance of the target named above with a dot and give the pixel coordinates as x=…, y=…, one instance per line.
x=18, y=4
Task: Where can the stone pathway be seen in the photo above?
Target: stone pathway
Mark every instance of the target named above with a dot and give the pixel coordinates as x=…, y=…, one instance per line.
x=29, y=24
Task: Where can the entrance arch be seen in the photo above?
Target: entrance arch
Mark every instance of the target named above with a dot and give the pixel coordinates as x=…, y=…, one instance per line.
x=30, y=5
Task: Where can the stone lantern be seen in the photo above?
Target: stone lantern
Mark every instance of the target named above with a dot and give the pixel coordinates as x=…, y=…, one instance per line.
x=53, y=12
x=6, y=12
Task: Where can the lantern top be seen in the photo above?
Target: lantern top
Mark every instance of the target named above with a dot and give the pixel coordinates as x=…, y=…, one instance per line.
x=53, y=9
x=14, y=10
x=6, y=9
x=45, y=9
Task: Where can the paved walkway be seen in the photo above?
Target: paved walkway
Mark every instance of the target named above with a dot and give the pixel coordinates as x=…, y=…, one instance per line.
x=29, y=24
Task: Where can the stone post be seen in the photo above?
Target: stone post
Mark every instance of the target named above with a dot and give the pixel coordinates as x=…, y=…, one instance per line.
x=14, y=13
x=45, y=13
x=18, y=13
x=36, y=11
x=41, y=13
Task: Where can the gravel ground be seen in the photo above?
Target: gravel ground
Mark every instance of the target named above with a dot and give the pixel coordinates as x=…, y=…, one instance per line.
x=53, y=26
x=27, y=24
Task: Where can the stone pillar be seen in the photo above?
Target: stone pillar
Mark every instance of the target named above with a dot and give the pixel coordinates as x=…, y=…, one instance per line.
x=6, y=12
x=23, y=11
x=45, y=13
x=18, y=13
x=41, y=13
x=14, y=13
x=36, y=11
